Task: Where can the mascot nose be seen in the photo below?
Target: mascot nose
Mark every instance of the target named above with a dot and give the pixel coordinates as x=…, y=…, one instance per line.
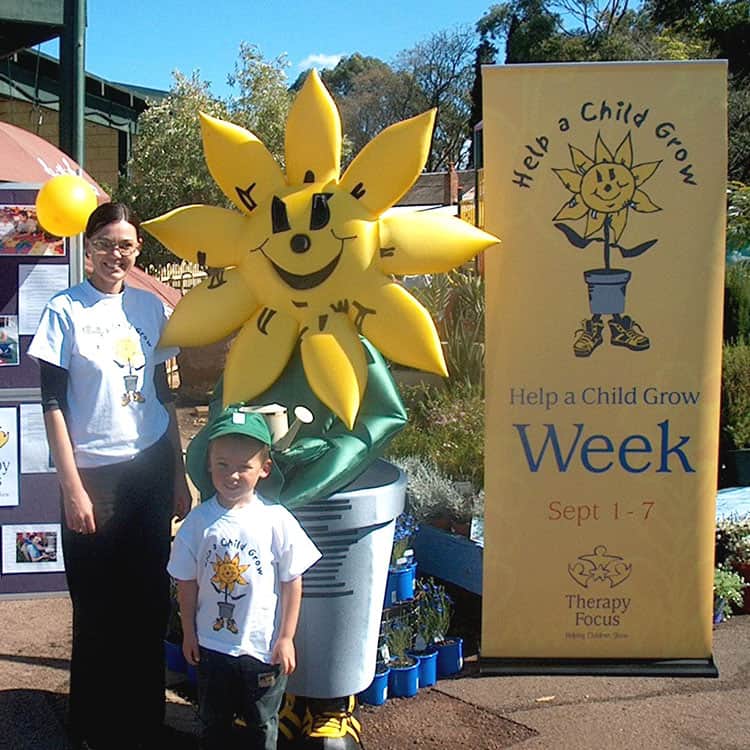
x=300, y=243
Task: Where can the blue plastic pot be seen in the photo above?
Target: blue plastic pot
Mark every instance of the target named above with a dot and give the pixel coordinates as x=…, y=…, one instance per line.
x=399, y=586
x=403, y=682
x=174, y=657
x=450, y=658
x=427, y=665
x=377, y=693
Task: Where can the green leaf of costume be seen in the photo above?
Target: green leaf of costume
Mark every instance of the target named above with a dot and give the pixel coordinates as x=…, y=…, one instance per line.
x=325, y=456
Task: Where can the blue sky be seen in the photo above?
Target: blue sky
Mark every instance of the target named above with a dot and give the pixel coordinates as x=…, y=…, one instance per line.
x=143, y=41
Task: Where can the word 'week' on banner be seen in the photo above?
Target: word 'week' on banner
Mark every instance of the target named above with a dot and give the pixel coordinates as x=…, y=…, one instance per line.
x=606, y=183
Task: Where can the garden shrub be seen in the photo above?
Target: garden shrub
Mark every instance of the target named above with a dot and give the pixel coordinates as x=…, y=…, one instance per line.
x=446, y=427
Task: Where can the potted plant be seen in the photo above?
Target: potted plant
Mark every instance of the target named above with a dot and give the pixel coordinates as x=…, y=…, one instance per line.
x=733, y=549
x=402, y=568
x=735, y=409
x=728, y=590
x=431, y=495
x=426, y=626
x=436, y=608
x=377, y=692
x=403, y=680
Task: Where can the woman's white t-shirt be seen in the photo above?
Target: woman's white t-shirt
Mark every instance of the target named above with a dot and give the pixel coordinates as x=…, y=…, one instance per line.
x=238, y=556
x=107, y=343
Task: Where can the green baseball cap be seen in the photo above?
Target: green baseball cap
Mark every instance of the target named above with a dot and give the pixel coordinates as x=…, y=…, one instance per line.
x=235, y=419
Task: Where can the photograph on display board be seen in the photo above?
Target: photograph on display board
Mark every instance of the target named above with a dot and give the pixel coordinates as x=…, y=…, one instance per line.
x=20, y=233
x=8, y=340
x=32, y=548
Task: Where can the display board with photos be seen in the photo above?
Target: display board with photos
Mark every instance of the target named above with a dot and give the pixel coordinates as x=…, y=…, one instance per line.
x=33, y=266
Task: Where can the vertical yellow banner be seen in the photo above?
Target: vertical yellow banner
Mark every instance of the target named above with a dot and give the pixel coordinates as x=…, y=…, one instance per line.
x=606, y=183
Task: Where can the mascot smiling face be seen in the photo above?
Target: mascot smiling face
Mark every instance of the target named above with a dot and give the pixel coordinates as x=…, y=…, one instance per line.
x=309, y=257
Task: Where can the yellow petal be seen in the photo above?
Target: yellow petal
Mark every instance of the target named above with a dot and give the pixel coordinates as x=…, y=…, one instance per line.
x=624, y=153
x=601, y=152
x=642, y=172
x=581, y=161
x=641, y=202
x=240, y=164
x=619, y=220
x=401, y=329
x=594, y=223
x=218, y=233
x=573, y=209
x=313, y=135
x=209, y=312
x=335, y=366
x=258, y=355
x=390, y=163
x=569, y=178
x=421, y=242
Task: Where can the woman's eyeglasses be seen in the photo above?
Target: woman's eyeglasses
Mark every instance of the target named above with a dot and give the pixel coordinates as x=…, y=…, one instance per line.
x=104, y=245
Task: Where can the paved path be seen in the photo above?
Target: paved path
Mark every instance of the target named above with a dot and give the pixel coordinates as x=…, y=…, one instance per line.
x=567, y=713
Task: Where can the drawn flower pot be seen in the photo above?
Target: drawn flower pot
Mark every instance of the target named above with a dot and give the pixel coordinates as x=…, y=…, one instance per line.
x=377, y=693
x=607, y=290
x=131, y=382
x=403, y=680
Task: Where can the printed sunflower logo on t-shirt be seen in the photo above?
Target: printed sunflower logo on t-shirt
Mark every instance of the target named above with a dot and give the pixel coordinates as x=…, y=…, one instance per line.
x=129, y=356
x=227, y=575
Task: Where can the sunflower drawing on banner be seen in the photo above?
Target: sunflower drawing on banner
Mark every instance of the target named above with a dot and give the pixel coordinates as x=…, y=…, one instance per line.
x=605, y=189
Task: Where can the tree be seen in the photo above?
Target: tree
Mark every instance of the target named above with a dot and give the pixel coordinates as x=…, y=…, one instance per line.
x=167, y=168
x=377, y=97
x=262, y=101
x=442, y=68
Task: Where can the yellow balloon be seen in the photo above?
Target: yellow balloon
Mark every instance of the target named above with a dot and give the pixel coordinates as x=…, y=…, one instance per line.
x=64, y=204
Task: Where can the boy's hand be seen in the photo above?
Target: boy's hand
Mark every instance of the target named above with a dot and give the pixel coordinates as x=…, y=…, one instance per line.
x=283, y=654
x=190, y=649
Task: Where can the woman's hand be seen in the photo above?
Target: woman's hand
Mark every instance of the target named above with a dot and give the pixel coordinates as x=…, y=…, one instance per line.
x=182, y=499
x=79, y=513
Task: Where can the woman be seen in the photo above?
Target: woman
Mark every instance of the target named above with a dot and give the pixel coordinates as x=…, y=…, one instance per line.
x=116, y=448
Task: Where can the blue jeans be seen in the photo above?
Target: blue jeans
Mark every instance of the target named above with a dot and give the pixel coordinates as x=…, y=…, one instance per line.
x=230, y=686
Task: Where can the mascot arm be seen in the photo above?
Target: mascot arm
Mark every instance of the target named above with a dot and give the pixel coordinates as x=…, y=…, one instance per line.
x=316, y=466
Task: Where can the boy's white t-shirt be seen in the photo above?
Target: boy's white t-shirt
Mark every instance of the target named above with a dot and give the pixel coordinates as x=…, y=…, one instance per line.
x=107, y=343
x=238, y=556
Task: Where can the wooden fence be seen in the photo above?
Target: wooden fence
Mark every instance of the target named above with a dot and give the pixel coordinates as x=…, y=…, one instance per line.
x=183, y=276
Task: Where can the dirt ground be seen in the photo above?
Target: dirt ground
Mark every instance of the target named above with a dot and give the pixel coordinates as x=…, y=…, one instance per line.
x=34, y=661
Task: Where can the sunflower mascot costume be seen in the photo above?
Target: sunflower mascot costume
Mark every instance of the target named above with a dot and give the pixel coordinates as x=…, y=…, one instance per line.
x=303, y=273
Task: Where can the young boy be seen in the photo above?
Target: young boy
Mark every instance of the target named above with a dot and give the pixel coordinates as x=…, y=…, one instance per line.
x=232, y=557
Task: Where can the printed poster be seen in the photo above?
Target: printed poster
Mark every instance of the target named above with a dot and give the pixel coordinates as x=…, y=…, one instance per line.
x=8, y=456
x=606, y=184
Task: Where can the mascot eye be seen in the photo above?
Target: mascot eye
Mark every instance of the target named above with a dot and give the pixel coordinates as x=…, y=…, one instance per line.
x=320, y=214
x=279, y=219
